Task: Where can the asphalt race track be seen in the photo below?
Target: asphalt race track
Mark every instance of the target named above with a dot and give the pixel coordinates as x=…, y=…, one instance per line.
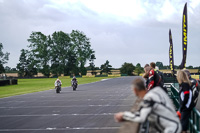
x=90, y=109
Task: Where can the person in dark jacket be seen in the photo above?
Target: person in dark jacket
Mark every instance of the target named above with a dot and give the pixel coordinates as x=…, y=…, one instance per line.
x=195, y=83
x=156, y=69
x=154, y=79
x=185, y=94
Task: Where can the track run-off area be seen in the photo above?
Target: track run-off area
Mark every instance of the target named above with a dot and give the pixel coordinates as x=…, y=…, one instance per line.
x=90, y=109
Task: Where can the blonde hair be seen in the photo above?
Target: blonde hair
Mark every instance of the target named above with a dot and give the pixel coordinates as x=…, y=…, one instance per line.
x=182, y=77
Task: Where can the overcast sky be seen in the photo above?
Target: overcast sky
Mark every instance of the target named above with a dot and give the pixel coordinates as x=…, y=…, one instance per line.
x=120, y=30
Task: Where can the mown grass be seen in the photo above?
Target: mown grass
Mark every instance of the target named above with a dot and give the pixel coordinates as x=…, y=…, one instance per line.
x=35, y=85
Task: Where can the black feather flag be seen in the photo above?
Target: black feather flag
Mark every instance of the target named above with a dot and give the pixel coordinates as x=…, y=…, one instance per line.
x=184, y=37
x=171, y=53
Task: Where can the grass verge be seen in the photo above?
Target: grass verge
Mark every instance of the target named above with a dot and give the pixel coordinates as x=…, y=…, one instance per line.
x=35, y=85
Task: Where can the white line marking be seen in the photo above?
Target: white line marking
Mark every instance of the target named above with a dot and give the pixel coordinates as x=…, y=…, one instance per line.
x=49, y=128
x=67, y=128
x=75, y=106
x=52, y=114
x=37, y=115
x=68, y=100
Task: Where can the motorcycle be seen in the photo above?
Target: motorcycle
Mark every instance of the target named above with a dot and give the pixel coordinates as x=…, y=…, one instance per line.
x=58, y=87
x=74, y=86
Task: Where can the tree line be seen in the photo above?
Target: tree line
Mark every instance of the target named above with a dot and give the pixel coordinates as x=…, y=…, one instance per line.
x=63, y=53
x=59, y=53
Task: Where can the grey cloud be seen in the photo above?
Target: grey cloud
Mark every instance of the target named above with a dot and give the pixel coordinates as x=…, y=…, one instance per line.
x=142, y=40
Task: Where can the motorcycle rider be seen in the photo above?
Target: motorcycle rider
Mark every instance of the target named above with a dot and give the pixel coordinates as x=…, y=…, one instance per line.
x=74, y=81
x=58, y=83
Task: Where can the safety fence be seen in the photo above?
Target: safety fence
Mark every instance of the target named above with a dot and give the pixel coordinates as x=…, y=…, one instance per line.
x=195, y=115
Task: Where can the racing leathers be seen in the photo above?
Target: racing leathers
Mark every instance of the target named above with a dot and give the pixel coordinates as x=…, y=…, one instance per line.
x=195, y=83
x=74, y=81
x=154, y=80
x=185, y=94
x=58, y=83
x=159, y=110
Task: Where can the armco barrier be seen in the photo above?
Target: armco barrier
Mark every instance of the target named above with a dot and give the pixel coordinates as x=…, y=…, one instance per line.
x=124, y=74
x=195, y=115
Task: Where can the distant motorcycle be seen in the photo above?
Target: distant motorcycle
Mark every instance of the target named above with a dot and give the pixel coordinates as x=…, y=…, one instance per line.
x=58, y=89
x=74, y=86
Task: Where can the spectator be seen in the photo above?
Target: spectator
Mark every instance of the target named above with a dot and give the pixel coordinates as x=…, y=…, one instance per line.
x=156, y=107
x=195, y=83
x=185, y=94
x=156, y=69
x=146, y=74
x=155, y=79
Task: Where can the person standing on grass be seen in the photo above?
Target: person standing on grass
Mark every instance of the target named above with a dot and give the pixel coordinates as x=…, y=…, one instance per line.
x=185, y=99
x=155, y=106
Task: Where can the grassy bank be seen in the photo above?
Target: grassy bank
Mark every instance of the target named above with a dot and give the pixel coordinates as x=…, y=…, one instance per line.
x=34, y=85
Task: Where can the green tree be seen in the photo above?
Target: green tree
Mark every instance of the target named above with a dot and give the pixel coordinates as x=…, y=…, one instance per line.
x=2, y=70
x=72, y=64
x=40, y=48
x=159, y=64
x=27, y=65
x=106, y=68
x=61, y=48
x=190, y=67
x=138, y=69
x=60, y=53
x=22, y=65
x=7, y=69
x=82, y=49
x=4, y=57
x=92, y=65
x=127, y=68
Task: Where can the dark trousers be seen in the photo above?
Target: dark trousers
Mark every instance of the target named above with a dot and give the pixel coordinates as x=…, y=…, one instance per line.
x=185, y=115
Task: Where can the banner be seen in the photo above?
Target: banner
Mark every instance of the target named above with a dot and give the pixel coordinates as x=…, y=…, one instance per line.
x=171, y=53
x=184, y=37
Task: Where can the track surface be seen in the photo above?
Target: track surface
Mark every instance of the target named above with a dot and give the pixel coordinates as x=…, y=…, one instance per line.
x=90, y=109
